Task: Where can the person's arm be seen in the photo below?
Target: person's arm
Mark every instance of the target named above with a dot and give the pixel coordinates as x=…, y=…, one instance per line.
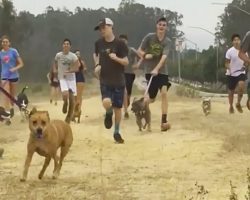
x=228, y=61
x=74, y=66
x=48, y=77
x=142, y=48
x=123, y=59
x=245, y=46
x=19, y=62
x=96, y=58
x=84, y=65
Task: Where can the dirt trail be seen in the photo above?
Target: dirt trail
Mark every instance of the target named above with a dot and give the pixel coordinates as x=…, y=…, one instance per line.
x=159, y=166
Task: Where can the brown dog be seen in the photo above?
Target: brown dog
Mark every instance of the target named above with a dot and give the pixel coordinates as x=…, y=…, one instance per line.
x=46, y=137
x=141, y=110
x=77, y=113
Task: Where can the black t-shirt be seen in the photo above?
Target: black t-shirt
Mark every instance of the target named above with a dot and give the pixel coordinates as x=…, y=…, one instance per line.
x=112, y=73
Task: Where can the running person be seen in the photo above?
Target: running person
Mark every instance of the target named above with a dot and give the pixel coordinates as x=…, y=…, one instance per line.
x=11, y=62
x=111, y=58
x=154, y=50
x=66, y=64
x=54, y=86
x=244, y=55
x=236, y=74
x=129, y=74
x=80, y=79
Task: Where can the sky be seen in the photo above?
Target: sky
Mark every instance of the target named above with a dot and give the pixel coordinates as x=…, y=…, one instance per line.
x=197, y=13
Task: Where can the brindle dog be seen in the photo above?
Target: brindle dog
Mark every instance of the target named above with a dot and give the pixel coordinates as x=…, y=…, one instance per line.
x=141, y=110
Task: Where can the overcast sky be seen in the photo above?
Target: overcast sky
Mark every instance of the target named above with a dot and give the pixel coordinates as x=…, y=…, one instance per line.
x=196, y=12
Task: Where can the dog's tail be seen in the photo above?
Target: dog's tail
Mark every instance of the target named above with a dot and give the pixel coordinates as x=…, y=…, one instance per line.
x=24, y=88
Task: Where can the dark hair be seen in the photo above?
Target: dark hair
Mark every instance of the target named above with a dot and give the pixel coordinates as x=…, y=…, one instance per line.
x=77, y=50
x=162, y=19
x=67, y=40
x=235, y=35
x=123, y=36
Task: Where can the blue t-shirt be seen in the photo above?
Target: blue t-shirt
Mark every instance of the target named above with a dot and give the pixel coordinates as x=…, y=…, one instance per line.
x=8, y=60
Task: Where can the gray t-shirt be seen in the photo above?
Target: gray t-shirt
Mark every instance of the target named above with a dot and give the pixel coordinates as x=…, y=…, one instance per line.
x=151, y=45
x=132, y=57
x=245, y=46
x=65, y=62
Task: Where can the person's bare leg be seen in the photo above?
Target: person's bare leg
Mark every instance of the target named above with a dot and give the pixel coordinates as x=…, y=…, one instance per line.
x=107, y=104
x=13, y=89
x=52, y=93
x=65, y=97
x=231, y=100
x=164, y=109
x=6, y=87
x=241, y=86
x=125, y=104
x=80, y=89
x=118, y=117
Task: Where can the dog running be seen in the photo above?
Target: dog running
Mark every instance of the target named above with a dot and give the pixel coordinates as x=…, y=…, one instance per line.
x=46, y=137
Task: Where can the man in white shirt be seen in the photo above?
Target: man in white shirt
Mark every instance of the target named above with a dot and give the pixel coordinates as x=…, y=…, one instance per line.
x=236, y=74
x=66, y=64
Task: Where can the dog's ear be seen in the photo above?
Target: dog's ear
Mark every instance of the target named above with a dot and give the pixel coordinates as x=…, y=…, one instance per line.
x=32, y=112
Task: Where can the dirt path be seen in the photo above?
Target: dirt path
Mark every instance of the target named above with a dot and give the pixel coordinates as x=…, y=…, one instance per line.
x=148, y=166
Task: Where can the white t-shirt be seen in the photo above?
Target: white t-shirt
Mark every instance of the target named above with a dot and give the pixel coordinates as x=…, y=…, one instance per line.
x=236, y=64
x=65, y=61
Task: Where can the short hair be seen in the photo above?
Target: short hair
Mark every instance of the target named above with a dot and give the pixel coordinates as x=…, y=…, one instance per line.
x=123, y=36
x=77, y=50
x=235, y=35
x=67, y=40
x=162, y=19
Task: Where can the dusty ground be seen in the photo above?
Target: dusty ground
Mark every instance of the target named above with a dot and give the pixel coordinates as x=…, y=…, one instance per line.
x=162, y=166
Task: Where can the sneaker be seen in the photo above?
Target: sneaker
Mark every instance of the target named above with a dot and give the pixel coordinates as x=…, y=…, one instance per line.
x=118, y=138
x=126, y=115
x=231, y=110
x=12, y=112
x=248, y=104
x=165, y=127
x=108, y=121
x=65, y=107
x=239, y=108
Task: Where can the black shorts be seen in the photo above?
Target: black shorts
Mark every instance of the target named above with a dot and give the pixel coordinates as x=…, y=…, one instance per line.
x=157, y=83
x=129, y=80
x=232, y=81
x=116, y=94
x=55, y=84
x=12, y=80
x=80, y=77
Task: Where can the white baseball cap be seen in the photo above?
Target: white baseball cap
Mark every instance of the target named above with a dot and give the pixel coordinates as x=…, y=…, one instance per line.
x=103, y=22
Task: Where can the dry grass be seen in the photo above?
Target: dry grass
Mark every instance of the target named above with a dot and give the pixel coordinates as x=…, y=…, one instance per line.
x=162, y=166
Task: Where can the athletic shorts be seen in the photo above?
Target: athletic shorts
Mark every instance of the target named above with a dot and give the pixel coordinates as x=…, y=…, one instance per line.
x=129, y=80
x=67, y=85
x=157, y=83
x=116, y=94
x=12, y=80
x=80, y=77
x=232, y=81
x=55, y=84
